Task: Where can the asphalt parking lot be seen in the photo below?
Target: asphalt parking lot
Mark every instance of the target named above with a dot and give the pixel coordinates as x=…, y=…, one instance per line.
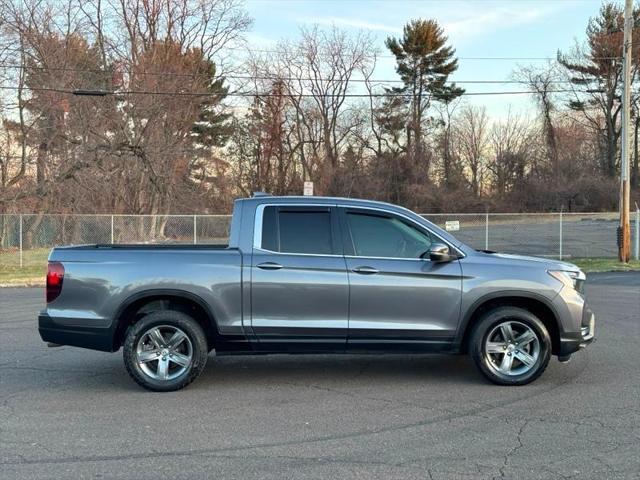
x=73, y=413
x=583, y=238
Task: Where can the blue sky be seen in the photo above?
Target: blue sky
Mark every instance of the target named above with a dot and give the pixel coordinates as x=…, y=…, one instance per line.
x=476, y=28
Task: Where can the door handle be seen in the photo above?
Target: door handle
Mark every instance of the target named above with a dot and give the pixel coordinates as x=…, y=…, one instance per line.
x=269, y=266
x=365, y=270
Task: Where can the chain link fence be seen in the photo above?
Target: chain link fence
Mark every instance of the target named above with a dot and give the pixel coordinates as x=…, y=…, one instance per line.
x=25, y=240
x=554, y=235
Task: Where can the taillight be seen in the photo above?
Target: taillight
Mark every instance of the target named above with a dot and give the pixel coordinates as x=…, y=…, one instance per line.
x=55, y=276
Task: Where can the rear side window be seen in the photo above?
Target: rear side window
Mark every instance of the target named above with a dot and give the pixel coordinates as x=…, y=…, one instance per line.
x=297, y=231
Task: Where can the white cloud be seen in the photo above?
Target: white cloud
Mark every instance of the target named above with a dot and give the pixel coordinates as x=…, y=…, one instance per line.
x=352, y=23
x=476, y=23
x=466, y=23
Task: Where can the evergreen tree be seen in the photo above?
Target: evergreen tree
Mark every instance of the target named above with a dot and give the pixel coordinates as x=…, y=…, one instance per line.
x=424, y=62
x=597, y=71
x=213, y=128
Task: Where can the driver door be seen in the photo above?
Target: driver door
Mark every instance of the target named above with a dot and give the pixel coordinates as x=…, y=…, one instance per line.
x=397, y=298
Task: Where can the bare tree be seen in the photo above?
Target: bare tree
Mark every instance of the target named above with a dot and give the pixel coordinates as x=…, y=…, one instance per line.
x=316, y=72
x=541, y=82
x=152, y=138
x=471, y=132
x=450, y=167
x=510, y=140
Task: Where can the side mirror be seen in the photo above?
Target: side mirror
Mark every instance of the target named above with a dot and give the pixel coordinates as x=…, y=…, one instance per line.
x=440, y=252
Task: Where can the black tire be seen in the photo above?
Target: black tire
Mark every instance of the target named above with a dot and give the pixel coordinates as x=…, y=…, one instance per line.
x=166, y=318
x=486, y=325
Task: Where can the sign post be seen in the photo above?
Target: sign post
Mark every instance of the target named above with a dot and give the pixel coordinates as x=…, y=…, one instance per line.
x=308, y=189
x=452, y=225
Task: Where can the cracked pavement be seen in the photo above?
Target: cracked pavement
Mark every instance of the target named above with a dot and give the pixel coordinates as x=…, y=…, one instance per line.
x=73, y=413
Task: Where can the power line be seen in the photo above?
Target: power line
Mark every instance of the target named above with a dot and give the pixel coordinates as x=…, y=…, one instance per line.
x=265, y=77
x=374, y=81
x=483, y=58
x=438, y=1
x=160, y=73
x=98, y=71
x=80, y=92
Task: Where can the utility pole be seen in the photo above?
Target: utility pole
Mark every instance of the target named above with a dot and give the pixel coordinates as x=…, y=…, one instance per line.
x=624, y=230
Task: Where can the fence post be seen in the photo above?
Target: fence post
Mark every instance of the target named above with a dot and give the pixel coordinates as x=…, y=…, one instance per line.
x=486, y=231
x=111, y=229
x=637, y=242
x=20, y=241
x=560, y=233
x=195, y=234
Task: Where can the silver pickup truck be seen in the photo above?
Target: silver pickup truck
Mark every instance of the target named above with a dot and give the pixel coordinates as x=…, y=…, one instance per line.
x=315, y=275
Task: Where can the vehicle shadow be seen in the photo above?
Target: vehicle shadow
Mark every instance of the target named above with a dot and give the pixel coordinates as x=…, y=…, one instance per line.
x=91, y=371
x=340, y=369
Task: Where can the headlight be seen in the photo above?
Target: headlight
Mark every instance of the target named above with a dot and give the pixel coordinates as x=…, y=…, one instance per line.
x=571, y=278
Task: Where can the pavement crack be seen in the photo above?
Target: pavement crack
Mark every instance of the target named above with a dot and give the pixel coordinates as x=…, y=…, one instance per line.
x=513, y=450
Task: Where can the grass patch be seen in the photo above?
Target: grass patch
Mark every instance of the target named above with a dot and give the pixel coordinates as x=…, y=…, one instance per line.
x=32, y=272
x=605, y=265
x=32, y=275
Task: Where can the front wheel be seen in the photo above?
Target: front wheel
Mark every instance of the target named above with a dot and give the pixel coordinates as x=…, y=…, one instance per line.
x=510, y=346
x=165, y=351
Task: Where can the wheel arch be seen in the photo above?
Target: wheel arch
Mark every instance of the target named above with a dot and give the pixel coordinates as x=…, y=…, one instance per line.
x=143, y=303
x=537, y=305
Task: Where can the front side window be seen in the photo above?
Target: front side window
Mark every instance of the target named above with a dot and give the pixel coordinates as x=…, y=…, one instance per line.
x=381, y=236
x=297, y=231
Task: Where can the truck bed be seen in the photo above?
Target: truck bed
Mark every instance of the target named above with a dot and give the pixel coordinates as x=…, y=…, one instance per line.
x=101, y=279
x=148, y=246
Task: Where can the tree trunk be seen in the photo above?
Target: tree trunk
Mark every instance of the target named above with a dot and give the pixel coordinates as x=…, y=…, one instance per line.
x=41, y=164
x=30, y=230
x=612, y=151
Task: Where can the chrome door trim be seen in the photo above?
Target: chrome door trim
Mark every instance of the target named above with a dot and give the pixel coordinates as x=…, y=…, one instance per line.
x=259, y=215
x=388, y=258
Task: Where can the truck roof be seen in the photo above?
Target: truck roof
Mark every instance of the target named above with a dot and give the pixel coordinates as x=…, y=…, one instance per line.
x=262, y=198
x=265, y=198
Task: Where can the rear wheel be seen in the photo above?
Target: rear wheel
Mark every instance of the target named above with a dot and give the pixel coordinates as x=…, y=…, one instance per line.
x=165, y=351
x=510, y=346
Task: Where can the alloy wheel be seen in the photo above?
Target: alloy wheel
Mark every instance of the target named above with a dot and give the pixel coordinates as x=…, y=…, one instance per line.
x=164, y=352
x=512, y=348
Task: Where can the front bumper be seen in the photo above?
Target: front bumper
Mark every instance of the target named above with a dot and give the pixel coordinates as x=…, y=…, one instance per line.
x=571, y=342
